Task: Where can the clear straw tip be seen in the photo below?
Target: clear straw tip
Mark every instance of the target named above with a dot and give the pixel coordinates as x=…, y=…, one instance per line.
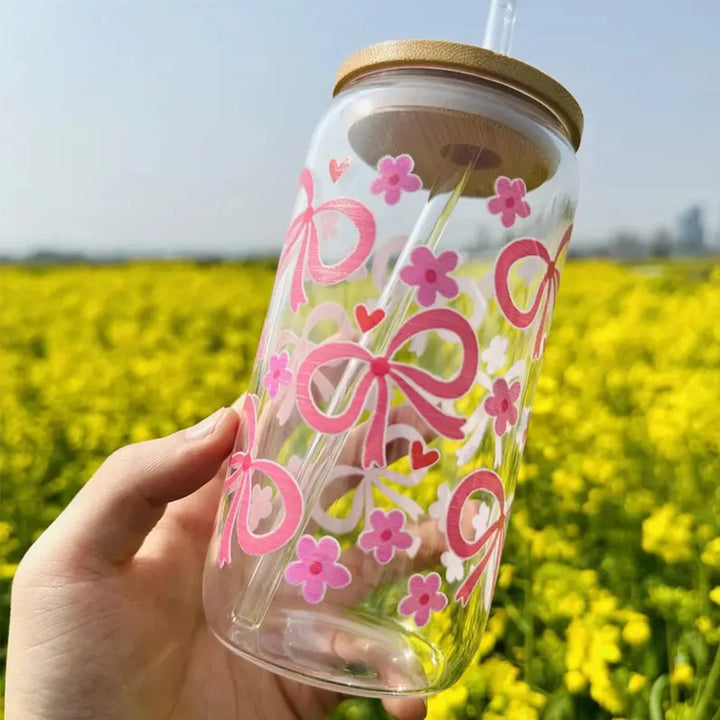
x=500, y=25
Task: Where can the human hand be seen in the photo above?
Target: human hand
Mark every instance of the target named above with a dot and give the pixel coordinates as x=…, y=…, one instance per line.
x=106, y=616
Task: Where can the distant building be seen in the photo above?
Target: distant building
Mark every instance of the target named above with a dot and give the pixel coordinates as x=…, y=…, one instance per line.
x=661, y=245
x=691, y=233
x=628, y=245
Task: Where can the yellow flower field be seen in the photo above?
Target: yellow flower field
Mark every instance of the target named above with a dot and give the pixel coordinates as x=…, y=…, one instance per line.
x=608, y=603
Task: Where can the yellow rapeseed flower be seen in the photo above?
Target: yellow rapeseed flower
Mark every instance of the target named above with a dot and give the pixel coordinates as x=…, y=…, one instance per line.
x=7, y=570
x=445, y=703
x=95, y=357
x=668, y=534
x=636, y=632
x=493, y=632
x=575, y=681
x=603, y=605
x=571, y=605
x=682, y=674
x=636, y=683
x=711, y=554
x=507, y=572
x=605, y=694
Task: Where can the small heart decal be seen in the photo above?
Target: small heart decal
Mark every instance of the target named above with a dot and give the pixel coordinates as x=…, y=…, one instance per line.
x=367, y=321
x=419, y=458
x=338, y=169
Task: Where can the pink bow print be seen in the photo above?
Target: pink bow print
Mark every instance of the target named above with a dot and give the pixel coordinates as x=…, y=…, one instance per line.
x=303, y=232
x=238, y=484
x=493, y=537
x=546, y=293
x=300, y=345
x=413, y=382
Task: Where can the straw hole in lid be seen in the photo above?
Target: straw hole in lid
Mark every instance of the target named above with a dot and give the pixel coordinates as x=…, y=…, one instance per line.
x=464, y=154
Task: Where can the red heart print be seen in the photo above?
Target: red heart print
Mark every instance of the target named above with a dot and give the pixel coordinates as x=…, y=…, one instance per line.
x=337, y=169
x=419, y=458
x=367, y=321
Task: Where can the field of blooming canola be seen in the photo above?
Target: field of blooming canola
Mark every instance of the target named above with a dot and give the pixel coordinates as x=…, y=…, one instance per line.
x=608, y=601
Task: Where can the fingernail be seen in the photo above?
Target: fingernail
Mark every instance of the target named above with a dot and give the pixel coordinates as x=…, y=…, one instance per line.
x=206, y=426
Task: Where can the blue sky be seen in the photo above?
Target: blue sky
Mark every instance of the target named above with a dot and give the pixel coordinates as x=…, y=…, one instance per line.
x=169, y=126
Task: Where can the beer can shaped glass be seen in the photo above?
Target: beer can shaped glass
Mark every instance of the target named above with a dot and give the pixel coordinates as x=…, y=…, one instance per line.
x=359, y=535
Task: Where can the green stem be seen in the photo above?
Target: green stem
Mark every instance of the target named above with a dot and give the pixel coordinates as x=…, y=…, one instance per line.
x=711, y=683
x=656, y=693
x=703, y=581
x=671, y=666
x=516, y=616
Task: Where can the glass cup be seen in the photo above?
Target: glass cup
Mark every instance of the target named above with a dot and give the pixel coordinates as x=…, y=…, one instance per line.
x=360, y=531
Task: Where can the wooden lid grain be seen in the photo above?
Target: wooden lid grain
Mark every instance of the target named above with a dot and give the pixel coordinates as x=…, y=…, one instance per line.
x=468, y=60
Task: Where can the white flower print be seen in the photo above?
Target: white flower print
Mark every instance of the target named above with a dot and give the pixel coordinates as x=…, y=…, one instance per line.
x=482, y=522
x=439, y=508
x=484, y=519
x=495, y=355
x=260, y=505
x=529, y=269
x=413, y=550
x=454, y=566
x=298, y=347
x=521, y=435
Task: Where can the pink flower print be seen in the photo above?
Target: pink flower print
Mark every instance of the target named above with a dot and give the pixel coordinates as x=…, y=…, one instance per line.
x=387, y=534
x=508, y=201
x=423, y=598
x=317, y=567
x=395, y=176
x=260, y=506
x=430, y=274
x=501, y=404
x=278, y=374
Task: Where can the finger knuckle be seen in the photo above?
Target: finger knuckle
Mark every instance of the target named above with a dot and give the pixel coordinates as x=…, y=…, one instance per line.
x=28, y=570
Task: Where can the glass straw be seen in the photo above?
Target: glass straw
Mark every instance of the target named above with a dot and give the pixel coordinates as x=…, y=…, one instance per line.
x=500, y=25
x=255, y=599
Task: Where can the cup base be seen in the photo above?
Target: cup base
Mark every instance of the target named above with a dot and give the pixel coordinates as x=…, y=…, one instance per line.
x=339, y=653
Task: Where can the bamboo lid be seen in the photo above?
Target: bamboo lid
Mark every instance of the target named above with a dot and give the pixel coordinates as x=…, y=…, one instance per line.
x=429, y=134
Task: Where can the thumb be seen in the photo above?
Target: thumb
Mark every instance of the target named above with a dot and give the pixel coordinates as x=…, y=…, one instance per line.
x=110, y=517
